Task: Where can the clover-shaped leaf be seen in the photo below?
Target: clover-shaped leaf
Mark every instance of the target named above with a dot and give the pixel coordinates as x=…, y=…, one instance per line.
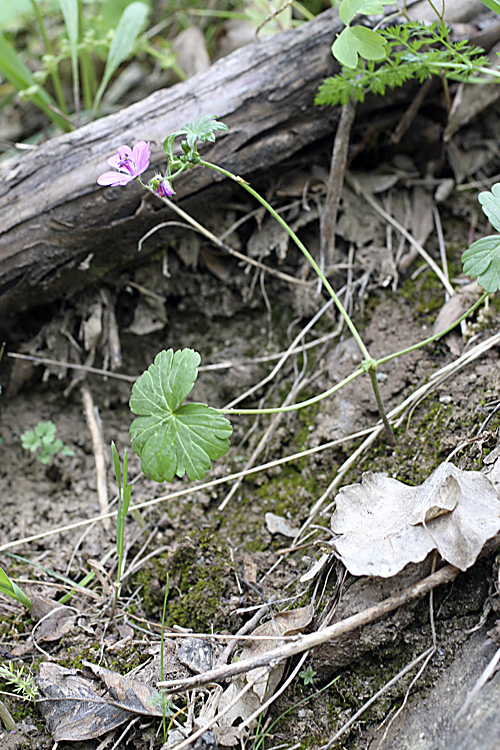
x=170, y=437
x=482, y=261
x=354, y=40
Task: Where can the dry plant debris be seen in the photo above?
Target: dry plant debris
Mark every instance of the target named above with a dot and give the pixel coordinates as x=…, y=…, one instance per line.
x=384, y=524
x=74, y=710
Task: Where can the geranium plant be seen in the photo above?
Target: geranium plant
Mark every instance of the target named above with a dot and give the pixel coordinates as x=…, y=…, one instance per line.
x=176, y=438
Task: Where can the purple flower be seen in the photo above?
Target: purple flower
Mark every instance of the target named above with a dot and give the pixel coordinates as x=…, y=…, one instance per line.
x=130, y=163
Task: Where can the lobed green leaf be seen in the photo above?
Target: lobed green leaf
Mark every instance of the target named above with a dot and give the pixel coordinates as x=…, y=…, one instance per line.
x=490, y=203
x=482, y=261
x=171, y=438
x=202, y=130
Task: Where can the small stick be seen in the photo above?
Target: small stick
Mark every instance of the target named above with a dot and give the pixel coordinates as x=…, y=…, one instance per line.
x=328, y=219
x=99, y=457
x=306, y=642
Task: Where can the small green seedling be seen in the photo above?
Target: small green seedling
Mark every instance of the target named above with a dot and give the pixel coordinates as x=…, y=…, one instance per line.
x=21, y=680
x=124, y=495
x=307, y=676
x=43, y=442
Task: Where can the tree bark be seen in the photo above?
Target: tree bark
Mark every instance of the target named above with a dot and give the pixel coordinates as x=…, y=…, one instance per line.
x=60, y=230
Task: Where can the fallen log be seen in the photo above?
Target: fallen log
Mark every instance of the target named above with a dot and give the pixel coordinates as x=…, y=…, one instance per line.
x=55, y=216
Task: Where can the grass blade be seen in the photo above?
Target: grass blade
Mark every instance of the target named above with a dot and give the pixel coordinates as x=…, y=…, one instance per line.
x=129, y=27
x=15, y=71
x=492, y=5
x=69, y=10
x=9, y=588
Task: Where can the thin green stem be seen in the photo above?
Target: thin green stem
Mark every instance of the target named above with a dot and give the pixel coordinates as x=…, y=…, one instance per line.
x=301, y=247
x=54, y=75
x=302, y=404
x=436, y=335
x=381, y=410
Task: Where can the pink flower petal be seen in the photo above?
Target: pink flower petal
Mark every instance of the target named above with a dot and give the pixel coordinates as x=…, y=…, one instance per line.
x=124, y=152
x=115, y=162
x=141, y=155
x=114, y=178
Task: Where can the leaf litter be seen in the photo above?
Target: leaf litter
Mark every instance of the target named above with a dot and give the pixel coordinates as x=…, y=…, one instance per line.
x=74, y=710
x=383, y=524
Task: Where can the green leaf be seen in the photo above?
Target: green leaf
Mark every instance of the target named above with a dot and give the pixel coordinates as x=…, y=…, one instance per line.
x=30, y=441
x=354, y=40
x=490, y=203
x=129, y=27
x=69, y=10
x=171, y=438
x=371, y=46
x=203, y=130
x=482, y=261
x=9, y=588
x=46, y=431
x=344, y=50
x=350, y=8
x=492, y=5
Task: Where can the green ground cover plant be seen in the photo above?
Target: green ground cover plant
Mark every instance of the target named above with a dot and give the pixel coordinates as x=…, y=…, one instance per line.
x=42, y=441
x=376, y=60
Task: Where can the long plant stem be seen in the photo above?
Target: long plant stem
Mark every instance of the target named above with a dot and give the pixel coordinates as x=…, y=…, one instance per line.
x=369, y=364
x=301, y=247
x=54, y=75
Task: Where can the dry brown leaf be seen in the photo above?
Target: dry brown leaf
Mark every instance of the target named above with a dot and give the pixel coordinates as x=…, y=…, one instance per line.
x=74, y=711
x=54, y=619
x=384, y=524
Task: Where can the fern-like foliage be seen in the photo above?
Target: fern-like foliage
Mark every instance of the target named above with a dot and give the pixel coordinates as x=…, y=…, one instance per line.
x=415, y=51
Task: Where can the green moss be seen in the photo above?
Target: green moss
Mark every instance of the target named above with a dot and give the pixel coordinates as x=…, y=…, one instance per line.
x=199, y=574
x=425, y=295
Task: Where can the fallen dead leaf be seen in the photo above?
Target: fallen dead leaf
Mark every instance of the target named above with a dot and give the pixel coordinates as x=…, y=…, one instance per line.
x=384, y=524
x=74, y=711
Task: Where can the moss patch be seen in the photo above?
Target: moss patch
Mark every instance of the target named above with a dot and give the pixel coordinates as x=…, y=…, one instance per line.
x=199, y=575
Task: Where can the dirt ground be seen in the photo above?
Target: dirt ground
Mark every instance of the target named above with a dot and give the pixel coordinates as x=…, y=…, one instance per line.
x=224, y=563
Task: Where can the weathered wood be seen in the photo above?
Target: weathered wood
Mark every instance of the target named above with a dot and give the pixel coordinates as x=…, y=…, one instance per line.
x=54, y=215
